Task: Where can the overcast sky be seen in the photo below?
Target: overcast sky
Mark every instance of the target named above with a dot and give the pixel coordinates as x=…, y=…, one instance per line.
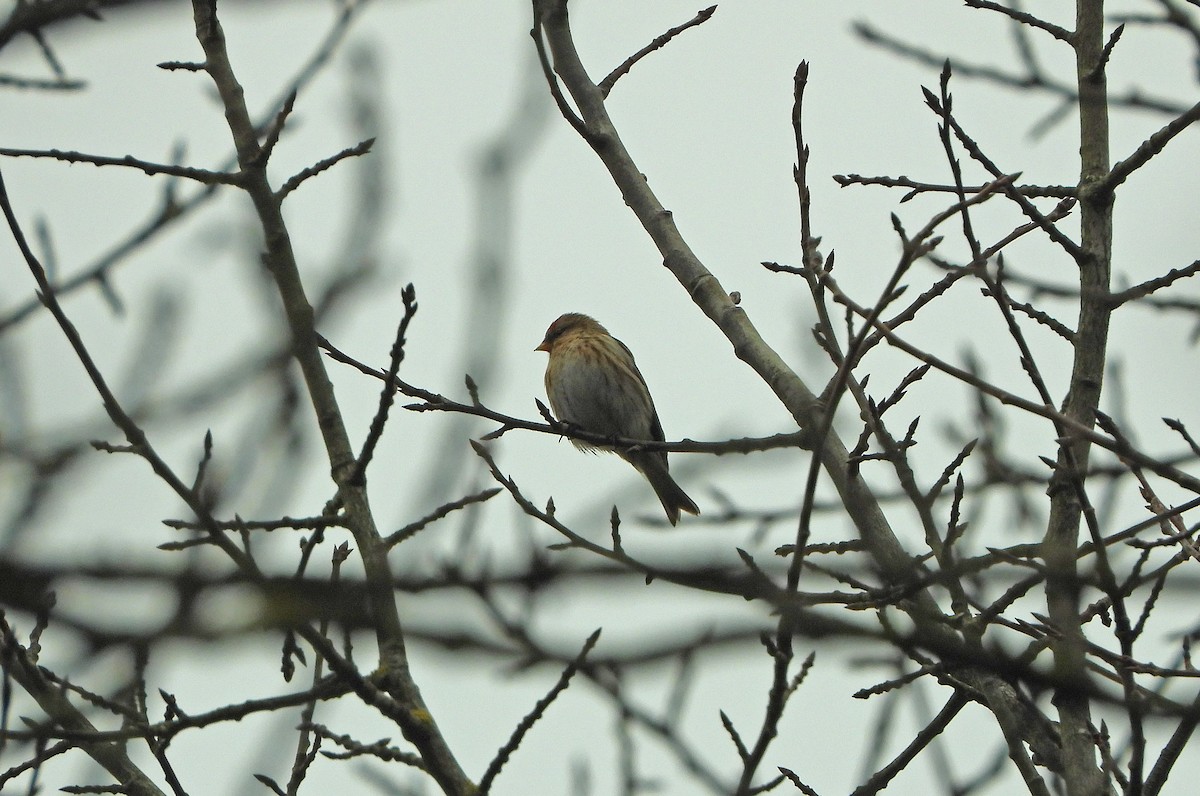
x=708, y=121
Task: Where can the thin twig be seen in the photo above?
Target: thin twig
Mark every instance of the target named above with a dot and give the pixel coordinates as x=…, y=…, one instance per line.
x=205, y=176
x=294, y=182
x=434, y=402
x=410, y=530
x=493, y=769
x=1062, y=34
x=1150, y=285
x=607, y=83
x=387, y=396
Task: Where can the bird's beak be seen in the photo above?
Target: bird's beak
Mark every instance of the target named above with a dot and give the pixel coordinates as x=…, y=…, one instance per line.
x=544, y=346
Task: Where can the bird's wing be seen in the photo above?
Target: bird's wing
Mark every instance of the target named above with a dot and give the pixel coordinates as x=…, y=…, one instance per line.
x=656, y=429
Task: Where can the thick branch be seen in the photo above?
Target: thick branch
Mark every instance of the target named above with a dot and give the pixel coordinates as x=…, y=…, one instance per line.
x=1083, y=777
x=414, y=718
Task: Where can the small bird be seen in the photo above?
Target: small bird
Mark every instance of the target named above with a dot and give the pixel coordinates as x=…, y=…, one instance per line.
x=593, y=383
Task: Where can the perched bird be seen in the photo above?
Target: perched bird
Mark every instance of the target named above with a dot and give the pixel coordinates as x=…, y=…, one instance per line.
x=593, y=383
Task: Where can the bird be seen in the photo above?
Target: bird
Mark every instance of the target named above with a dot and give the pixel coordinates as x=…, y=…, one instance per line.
x=594, y=384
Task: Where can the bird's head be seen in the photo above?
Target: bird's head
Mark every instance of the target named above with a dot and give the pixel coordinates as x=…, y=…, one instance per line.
x=567, y=325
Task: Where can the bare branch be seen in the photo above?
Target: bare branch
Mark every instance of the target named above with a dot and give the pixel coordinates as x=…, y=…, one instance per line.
x=433, y=402
x=493, y=769
x=606, y=85
x=1149, y=286
x=1149, y=148
x=1062, y=34
x=204, y=176
x=294, y=182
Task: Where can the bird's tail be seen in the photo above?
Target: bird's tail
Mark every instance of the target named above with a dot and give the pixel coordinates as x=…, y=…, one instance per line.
x=674, y=499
